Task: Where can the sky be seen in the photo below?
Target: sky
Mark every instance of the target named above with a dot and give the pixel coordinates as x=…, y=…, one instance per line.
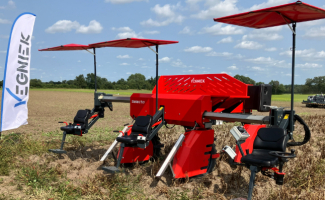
x=205, y=47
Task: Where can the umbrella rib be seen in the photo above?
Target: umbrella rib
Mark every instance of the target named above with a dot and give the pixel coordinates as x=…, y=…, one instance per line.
x=149, y=47
x=284, y=18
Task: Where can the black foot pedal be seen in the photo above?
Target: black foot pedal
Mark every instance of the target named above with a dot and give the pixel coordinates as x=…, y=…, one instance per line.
x=111, y=169
x=57, y=151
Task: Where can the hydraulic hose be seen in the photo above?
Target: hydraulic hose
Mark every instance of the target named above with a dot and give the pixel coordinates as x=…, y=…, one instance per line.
x=307, y=132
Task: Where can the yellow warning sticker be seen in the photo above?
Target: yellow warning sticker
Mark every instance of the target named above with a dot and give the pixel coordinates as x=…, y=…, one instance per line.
x=161, y=108
x=286, y=116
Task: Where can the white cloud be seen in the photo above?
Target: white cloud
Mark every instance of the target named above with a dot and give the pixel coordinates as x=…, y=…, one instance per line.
x=93, y=27
x=257, y=69
x=315, y=32
x=309, y=65
x=217, y=8
x=126, y=32
x=249, y=45
x=226, y=40
x=223, y=54
x=63, y=26
x=123, y=56
x=166, y=12
x=233, y=67
x=11, y=4
x=122, y=1
x=178, y=63
x=269, y=3
x=306, y=53
x=198, y=49
x=124, y=64
x=4, y=21
x=186, y=30
x=129, y=73
x=219, y=29
x=263, y=36
x=151, y=32
x=262, y=60
x=223, y=72
x=164, y=60
x=270, y=49
x=122, y=29
x=5, y=51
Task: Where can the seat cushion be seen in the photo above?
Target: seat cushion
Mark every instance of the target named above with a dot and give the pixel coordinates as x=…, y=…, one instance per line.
x=261, y=158
x=67, y=129
x=142, y=124
x=128, y=139
x=272, y=139
x=81, y=117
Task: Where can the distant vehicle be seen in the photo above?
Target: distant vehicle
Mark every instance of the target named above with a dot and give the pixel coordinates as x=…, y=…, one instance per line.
x=315, y=101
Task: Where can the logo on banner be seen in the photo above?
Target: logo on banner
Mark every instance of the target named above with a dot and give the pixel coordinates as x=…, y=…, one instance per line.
x=22, y=76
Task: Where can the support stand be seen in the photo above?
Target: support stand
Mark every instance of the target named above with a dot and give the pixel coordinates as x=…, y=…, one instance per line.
x=60, y=151
x=112, y=169
x=251, y=182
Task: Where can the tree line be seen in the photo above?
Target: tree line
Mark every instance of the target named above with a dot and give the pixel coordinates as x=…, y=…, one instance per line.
x=139, y=82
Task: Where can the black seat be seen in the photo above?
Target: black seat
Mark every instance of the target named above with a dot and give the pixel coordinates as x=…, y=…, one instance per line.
x=267, y=140
x=81, y=119
x=141, y=126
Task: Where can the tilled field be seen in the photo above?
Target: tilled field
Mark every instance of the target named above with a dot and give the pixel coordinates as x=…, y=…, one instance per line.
x=28, y=171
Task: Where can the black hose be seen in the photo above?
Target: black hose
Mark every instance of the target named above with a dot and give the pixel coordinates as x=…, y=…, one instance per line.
x=307, y=132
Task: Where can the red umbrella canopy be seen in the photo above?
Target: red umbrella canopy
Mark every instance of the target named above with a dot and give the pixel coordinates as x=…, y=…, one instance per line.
x=132, y=43
x=67, y=47
x=275, y=16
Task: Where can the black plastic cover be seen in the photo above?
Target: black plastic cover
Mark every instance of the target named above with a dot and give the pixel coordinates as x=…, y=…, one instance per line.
x=260, y=95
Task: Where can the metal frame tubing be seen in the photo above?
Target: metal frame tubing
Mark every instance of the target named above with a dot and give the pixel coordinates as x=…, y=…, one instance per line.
x=156, y=77
x=94, y=49
x=293, y=74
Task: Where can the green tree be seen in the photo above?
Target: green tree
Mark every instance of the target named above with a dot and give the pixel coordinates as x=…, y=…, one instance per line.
x=136, y=81
x=244, y=79
x=80, y=81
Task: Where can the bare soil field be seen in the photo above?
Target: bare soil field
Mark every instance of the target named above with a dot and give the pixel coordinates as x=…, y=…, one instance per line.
x=29, y=171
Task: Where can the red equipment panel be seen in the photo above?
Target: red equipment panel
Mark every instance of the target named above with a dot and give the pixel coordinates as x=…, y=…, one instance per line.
x=182, y=110
x=248, y=144
x=192, y=158
x=215, y=85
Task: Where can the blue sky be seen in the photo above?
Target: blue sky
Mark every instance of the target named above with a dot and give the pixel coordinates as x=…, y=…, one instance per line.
x=204, y=45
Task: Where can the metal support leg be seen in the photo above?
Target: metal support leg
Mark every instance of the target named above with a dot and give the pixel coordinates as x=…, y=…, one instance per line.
x=170, y=156
x=251, y=182
x=112, y=169
x=60, y=151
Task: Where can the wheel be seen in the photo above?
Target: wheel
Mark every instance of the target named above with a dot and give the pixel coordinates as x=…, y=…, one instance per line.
x=156, y=147
x=212, y=162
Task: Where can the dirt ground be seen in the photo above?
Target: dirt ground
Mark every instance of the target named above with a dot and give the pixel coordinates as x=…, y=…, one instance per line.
x=82, y=164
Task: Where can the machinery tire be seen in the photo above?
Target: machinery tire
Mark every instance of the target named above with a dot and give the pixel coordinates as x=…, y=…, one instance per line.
x=212, y=162
x=156, y=147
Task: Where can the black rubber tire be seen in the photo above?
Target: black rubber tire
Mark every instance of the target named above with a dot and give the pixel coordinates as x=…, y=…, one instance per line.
x=212, y=162
x=156, y=149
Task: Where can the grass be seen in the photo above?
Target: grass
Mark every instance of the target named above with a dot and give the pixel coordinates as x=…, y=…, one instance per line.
x=287, y=97
x=114, y=92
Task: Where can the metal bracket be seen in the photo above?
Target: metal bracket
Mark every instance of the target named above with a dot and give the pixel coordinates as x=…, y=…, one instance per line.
x=287, y=22
x=90, y=52
x=150, y=48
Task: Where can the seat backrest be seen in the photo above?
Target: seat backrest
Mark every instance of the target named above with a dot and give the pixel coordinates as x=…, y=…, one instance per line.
x=82, y=117
x=142, y=124
x=273, y=139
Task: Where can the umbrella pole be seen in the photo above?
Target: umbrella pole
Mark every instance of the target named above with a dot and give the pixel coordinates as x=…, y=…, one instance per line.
x=156, y=77
x=293, y=75
x=94, y=49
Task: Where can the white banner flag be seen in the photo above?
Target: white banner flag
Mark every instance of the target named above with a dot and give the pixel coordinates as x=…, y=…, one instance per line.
x=15, y=90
